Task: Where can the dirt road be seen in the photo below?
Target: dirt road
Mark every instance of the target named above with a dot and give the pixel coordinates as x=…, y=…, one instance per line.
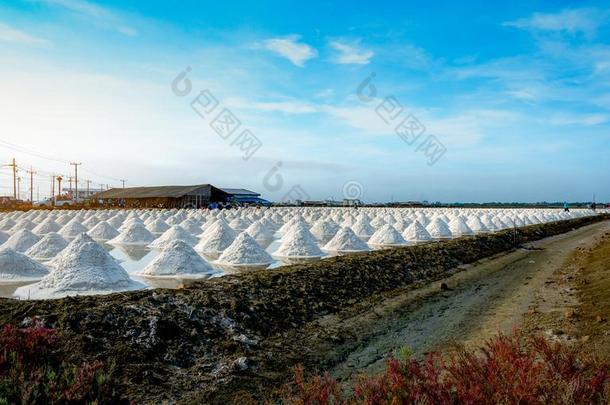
x=491, y=296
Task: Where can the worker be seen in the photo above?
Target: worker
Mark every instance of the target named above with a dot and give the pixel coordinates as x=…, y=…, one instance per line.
x=566, y=207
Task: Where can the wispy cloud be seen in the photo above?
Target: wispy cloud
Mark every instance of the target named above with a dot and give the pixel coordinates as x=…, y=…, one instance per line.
x=102, y=15
x=571, y=21
x=348, y=53
x=10, y=34
x=284, y=106
x=291, y=48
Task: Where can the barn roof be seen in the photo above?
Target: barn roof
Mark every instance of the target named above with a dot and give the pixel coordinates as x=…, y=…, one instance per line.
x=239, y=191
x=154, y=192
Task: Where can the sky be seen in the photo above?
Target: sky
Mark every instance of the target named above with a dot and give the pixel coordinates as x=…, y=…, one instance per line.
x=438, y=101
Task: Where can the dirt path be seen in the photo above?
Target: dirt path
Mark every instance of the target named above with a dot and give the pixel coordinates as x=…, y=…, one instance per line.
x=491, y=296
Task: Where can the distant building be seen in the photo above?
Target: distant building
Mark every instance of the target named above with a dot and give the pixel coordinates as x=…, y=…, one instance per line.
x=243, y=196
x=351, y=202
x=195, y=196
x=83, y=193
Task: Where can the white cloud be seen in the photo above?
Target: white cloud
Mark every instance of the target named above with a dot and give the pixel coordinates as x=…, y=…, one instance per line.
x=290, y=48
x=580, y=120
x=10, y=34
x=284, y=106
x=103, y=15
x=350, y=53
x=571, y=21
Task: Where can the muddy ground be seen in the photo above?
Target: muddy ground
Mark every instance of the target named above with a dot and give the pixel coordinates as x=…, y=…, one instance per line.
x=215, y=340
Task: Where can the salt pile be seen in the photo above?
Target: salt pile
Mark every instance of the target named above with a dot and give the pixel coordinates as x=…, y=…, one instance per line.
x=299, y=243
x=83, y=268
x=23, y=224
x=244, y=251
x=46, y=226
x=157, y=226
x=259, y=231
x=103, y=231
x=3, y=237
x=387, y=235
x=176, y=232
x=21, y=241
x=133, y=234
x=191, y=226
x=16, y=267
x=416, y=233
x=323, y=229
x=363, y=228
x=91, y=222
x=438, y=229
x=458, y=227
x=476, y=225
x=48, y=247
x=177, y=259
x=63, y=219
x=6, y=224
x=116, y=221
x=72, y=229
x=345, y=241
x=216, y=239
x=239, y=224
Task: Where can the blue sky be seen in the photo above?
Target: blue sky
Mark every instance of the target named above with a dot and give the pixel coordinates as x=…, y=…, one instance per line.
x=518, y=97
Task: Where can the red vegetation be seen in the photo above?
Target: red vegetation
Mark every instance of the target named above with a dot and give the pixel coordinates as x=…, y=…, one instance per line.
x=31, y=370
x=507, y=370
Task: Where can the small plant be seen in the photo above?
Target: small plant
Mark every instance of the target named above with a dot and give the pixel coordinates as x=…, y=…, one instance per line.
x=507, y=370
x=404, y=353
x=31, y=370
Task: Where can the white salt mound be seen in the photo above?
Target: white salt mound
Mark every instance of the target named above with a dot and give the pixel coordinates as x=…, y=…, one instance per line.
x=21, y=241
x=259, y=231
x=103, y=231
x=83, y=268
x=17, y=267
x=177, y=259
x=476, y=225
x=387, y=235
x=133, y=234
x=6, y=224
x=157, y=226
x=438, y=229
x=245, y=251
x=176, y=232
x=299, y=244
x=324, y=229
x=345, y=241
x=363, y=228
x=46, y=226
x=458, y=227
x=72, y=229
x=416, y=233
x=216, y=239
x=48, y=247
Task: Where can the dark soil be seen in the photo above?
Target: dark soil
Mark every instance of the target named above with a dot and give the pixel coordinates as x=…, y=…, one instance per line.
x=208, y=342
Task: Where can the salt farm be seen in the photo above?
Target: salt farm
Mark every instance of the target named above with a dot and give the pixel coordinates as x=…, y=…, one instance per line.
x=52, y=254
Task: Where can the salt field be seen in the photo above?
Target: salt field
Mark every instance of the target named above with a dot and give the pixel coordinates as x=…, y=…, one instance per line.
x=48, y=254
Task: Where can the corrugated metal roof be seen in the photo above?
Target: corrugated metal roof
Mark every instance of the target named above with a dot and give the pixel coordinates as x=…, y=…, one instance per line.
x=239, y=191
x=152, y=192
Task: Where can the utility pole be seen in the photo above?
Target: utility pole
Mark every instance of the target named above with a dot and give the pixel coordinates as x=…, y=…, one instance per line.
x=52, y=191
x=59, y=179
x=76, y=164
x=31, y=173
x=123, y=181
x=13, y=165
x=88, y=188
